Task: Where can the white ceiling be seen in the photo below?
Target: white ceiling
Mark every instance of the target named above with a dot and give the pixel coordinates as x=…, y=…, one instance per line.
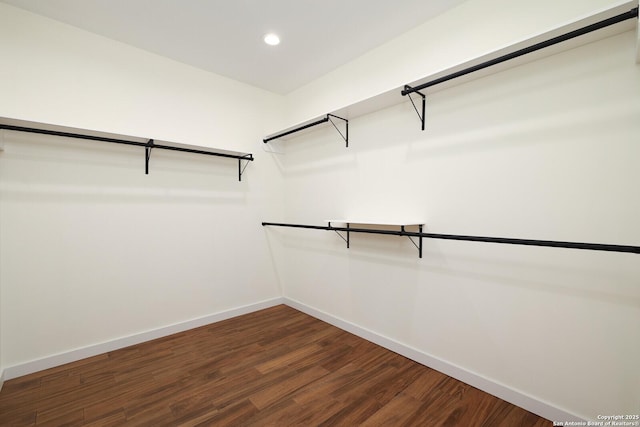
x=225, y=36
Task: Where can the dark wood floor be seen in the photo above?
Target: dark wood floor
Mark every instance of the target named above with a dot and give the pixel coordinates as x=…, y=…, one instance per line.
x=275, y=367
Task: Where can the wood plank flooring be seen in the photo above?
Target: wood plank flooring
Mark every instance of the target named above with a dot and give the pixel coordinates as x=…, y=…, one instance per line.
x=275, y=367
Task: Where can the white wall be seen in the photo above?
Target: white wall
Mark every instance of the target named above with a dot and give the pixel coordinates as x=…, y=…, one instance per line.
x=548, y=150
x=91, y=249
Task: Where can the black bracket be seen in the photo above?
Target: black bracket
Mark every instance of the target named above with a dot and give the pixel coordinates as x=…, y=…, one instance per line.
x=345, y=135
x=241, y=169
x=420, y=116
x=417, y=245
x=341, y=236
x=147, y=156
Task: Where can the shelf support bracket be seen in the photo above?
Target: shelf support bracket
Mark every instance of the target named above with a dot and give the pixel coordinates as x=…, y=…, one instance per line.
x=341, y=236
x=147, y=156
x=242, y=168
x=420, y=116
x=344, y=135
x=417, y=245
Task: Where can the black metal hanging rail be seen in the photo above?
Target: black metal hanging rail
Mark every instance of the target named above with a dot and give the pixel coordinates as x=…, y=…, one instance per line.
x=149, y=145
x=633, y=13
x=325, y=119
x=510, y=241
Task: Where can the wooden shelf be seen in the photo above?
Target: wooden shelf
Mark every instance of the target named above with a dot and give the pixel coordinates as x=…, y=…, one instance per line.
x=375, y=226
x=376, y=222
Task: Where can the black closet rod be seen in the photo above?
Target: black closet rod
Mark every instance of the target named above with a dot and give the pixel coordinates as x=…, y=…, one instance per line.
x=526, y=242
x=633, y=13
x=150, y=144
x=298, y=129
x=71, y=135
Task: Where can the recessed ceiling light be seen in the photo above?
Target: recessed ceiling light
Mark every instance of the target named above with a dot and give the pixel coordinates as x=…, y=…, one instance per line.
x=272, y=39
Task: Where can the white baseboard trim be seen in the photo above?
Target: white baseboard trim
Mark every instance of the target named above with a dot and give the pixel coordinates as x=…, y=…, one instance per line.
x=96, y=349
x=1, y=378
x=518, y=398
